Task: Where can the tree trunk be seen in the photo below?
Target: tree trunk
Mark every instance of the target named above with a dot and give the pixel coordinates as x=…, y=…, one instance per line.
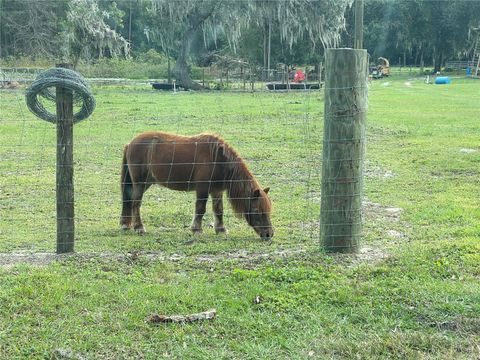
x=169, y=70
x=130, y=24
x=264, y=75
x=180, y=70
x=268, y=48
x=3, y=42
x=438, y=61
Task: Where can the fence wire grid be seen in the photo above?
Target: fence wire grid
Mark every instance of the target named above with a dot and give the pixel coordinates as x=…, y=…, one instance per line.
x=277, y=134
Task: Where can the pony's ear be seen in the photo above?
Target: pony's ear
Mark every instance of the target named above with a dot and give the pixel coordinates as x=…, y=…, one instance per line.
x=266, y=190
x=256, y=193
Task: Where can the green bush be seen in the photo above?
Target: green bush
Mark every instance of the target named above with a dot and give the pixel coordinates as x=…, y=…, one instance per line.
x=148, y=65
x=152, y=57
x=25, y=62
x=123, y=68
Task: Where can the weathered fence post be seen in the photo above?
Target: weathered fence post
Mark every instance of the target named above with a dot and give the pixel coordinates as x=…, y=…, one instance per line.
x=358, y=39
x=343, y=149
x=68, y=86
x=65, y=192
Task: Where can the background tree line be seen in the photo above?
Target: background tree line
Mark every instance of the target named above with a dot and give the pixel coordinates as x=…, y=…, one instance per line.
x=261, y=32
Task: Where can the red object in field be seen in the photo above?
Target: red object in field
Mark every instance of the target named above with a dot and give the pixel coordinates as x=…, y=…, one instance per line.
x=299, y=76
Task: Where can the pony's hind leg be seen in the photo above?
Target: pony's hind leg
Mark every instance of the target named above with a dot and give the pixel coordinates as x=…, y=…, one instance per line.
x=217, y=204
x=126, y=189
x=126, y=217
x=200, y=208
x=137, y=195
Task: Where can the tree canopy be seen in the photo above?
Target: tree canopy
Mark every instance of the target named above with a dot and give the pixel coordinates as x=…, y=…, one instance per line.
x=322, y=21
x=261, y=32
x=87, y=34
x=416, y=32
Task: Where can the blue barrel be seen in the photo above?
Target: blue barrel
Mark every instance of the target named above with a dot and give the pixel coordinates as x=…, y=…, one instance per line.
x=442, y=80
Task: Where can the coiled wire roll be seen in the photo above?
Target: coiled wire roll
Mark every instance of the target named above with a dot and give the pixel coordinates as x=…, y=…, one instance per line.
x=59, y=77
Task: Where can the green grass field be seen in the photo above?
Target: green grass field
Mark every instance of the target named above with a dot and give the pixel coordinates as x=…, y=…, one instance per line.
x=413, y=292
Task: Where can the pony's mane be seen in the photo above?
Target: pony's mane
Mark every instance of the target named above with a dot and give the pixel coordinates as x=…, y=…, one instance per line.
x=240, y=181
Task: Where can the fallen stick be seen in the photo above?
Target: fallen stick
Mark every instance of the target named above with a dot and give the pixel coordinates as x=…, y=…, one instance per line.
x=206, y=315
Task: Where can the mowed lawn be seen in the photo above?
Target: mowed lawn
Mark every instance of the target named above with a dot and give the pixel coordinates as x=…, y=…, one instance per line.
x=413, y=292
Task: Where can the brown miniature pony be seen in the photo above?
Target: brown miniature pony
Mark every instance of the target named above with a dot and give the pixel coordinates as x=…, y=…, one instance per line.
x=203, y=163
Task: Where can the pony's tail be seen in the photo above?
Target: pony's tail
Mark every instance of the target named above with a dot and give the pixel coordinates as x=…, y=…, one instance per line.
x=126, y=188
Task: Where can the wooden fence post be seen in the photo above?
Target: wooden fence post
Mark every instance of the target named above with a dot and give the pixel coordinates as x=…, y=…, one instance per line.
x=343, y=149
x=358, y=39
x=64, y=182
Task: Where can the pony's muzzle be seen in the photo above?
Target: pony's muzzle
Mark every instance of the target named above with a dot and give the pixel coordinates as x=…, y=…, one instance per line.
x=266, y=234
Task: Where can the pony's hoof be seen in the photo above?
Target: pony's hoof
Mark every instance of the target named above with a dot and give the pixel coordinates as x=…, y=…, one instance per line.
x=124, y=227
x=140, y=230
x=197, y=231
x=221, y=230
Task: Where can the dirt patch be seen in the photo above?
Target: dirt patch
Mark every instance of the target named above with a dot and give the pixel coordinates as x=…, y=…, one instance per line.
x=395, y=234
x=10, y=85
x=370, y=210
x=8, y=260
x=468, y=151
x=366, y=255
x=459, y=324
x=386, y=220
x=67, y=354
x=372, y=171
x=375, y=210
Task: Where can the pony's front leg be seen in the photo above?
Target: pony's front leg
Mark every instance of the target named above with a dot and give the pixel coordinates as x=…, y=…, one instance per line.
x=217, y=202
x=200, y=208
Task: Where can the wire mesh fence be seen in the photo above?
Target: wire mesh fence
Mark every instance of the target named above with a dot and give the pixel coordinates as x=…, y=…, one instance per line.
x=215, y=77
x=276, y=135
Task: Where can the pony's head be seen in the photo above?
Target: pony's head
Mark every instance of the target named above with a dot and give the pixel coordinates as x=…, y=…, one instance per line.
x=258, y=214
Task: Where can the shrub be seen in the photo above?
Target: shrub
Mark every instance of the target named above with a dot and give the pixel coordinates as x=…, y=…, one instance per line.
x=123, y=68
